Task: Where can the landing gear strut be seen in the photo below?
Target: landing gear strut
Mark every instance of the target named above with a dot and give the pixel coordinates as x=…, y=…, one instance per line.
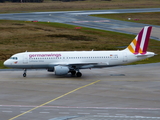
x=73, y=73
x=24, y=74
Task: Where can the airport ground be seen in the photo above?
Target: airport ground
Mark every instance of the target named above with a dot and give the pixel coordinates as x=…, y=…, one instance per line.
x=117, y=93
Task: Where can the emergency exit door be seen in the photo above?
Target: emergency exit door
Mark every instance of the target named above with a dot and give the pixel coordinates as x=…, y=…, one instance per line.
x=25, y=59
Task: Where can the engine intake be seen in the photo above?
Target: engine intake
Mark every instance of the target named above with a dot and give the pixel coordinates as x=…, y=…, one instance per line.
x=61, y=70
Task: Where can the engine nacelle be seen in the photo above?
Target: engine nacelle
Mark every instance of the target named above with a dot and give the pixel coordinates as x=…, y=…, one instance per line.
x=61, y=70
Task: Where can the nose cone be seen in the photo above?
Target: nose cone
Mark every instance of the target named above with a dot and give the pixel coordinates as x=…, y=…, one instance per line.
x=6, y=63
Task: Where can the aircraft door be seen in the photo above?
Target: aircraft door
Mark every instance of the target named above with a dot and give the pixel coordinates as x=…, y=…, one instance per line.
x=124, y=57
x=25, y=59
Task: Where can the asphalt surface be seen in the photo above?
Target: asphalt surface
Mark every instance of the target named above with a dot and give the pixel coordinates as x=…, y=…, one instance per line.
x=117, y=93
x=82, y=18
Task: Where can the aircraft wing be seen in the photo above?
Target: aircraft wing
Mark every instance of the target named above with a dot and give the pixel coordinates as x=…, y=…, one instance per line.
x=80, y=65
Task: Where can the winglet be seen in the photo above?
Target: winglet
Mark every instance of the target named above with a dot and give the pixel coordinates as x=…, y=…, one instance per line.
x=140, y=43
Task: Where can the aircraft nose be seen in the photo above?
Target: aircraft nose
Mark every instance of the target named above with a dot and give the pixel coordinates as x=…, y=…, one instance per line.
x=6, y=63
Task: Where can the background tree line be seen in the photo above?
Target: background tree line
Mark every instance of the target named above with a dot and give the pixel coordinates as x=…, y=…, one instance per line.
x=41, y=0
x=75, y=0
x=22, y=1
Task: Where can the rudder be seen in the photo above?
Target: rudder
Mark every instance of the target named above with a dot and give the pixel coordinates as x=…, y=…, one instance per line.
x=140, y=43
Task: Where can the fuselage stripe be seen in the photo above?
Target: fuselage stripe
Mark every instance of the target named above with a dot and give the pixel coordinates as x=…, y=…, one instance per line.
x=131, y=48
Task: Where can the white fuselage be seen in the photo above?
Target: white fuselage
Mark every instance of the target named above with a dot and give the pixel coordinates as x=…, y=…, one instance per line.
x=83, y=59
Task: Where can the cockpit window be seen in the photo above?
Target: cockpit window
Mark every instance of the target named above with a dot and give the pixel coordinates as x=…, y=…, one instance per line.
x=14, y=58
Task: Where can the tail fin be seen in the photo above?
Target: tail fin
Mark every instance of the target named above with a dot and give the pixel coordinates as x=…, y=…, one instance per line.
x=140, y=43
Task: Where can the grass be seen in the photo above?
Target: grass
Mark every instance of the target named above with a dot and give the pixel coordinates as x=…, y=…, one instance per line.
x=19, y=36
x=49, y=5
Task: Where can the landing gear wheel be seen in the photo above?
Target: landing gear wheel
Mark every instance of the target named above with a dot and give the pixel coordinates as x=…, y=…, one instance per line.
x=24, y=74
x=79, y=74
x=73, y=73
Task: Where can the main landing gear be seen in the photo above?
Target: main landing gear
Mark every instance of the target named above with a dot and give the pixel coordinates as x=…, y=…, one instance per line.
x=24, y=74
x=78, y=74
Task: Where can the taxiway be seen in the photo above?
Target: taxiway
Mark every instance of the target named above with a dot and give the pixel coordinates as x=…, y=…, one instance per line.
x=124, y=92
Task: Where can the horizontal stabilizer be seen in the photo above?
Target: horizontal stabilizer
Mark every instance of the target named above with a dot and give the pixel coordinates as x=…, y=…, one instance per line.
x=148, y=54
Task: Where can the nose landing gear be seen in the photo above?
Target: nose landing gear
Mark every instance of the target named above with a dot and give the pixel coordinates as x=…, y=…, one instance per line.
x=24, y=74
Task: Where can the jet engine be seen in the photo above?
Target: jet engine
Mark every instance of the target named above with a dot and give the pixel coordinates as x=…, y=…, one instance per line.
x=61, y=70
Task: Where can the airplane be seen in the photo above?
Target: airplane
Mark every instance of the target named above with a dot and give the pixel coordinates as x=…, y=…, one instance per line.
x=64, y=62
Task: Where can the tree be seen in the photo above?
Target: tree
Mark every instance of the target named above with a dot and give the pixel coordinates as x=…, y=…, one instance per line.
x=2, y=1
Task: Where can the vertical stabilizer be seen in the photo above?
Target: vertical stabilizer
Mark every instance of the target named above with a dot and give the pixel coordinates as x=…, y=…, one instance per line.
x=140, y=44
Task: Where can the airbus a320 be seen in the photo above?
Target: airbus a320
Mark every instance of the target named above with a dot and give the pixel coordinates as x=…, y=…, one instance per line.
x=66, y=62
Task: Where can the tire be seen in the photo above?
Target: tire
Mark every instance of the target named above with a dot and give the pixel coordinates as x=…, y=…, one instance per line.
x=79, y=74
x=24, y=74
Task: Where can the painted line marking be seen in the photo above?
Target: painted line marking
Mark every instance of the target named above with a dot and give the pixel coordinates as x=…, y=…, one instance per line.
x=132, y=117
x=54, y=99
x=83, y=113
x=6, y=108
x=103, y=113
x=91, y=21
x=78, y=107
x=64, y=113
x=7, y=111
x=75, y=110
x=121, y=114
